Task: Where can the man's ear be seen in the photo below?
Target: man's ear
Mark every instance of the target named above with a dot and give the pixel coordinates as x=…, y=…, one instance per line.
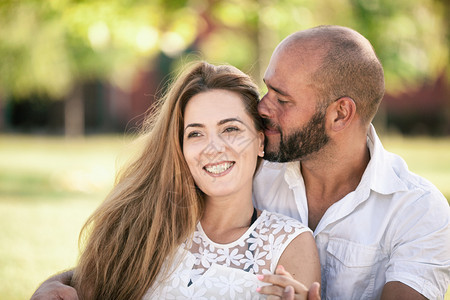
x=342, y=112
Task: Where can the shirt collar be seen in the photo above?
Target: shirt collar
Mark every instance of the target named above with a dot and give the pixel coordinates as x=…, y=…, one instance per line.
x=292, y=174
x=380, y=174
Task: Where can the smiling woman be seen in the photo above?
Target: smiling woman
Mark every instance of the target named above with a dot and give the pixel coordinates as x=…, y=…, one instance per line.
x=180, y=221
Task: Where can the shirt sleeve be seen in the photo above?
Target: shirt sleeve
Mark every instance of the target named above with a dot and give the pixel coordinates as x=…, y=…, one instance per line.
x=420, y=246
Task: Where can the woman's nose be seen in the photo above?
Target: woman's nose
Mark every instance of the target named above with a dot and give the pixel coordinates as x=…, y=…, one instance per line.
x=215, y=146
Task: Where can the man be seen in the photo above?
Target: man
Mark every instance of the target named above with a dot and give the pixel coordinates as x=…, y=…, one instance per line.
x=381, y=231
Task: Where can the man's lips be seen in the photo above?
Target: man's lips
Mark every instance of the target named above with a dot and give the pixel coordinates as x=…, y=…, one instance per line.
x=268, y=131
x=270, y=128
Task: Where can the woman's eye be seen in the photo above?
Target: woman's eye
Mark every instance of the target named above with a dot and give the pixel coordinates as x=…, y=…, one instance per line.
x=231, y=129
x=193, y=134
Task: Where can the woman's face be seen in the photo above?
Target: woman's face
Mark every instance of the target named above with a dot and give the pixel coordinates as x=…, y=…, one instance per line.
x=220, y=143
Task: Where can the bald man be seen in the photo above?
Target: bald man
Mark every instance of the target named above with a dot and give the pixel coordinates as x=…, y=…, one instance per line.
x=381, y=231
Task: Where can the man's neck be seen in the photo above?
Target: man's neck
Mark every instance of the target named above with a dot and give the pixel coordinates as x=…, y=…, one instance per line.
x=329, y=180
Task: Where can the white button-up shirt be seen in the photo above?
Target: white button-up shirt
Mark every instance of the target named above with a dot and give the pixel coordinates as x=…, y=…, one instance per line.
x=393, y=227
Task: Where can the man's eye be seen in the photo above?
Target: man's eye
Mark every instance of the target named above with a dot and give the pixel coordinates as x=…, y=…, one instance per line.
x=281, y=101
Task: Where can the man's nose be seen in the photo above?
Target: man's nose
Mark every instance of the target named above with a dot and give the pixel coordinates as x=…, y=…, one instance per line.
x=265, y=107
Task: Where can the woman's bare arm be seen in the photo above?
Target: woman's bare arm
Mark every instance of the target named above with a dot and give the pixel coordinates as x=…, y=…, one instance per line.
x=298, y=267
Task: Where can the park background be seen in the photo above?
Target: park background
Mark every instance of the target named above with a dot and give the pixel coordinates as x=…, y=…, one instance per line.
x=77, y=77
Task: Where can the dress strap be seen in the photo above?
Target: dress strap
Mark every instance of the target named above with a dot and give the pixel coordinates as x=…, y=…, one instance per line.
x=254, y=216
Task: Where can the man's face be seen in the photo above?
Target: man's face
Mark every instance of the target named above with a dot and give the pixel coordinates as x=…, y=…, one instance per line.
x=295, y=123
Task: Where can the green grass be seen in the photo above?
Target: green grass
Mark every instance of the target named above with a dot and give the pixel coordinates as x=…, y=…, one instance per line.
x=427, y=157
x=50, y=185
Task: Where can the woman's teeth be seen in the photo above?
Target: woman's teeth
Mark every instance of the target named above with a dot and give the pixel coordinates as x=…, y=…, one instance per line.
x=217, y=169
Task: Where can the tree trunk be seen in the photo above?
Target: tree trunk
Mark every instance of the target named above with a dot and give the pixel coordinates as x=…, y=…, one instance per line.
x=2, y=112
x=266, y=41
x=74, y=113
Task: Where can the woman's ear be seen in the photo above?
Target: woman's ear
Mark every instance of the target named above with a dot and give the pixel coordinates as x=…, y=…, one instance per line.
x=342, y=113
x=261, y=144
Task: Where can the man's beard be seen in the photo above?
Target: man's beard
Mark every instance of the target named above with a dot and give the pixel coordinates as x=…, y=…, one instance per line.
x=302, y=142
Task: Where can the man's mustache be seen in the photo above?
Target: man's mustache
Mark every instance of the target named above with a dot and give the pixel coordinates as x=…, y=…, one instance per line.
x=269, y=124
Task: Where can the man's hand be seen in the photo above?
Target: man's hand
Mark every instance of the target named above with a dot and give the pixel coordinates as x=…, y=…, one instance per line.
x=285, y=287
x=56, y=288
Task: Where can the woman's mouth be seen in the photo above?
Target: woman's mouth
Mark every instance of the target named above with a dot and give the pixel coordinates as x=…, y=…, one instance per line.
x=219, y=168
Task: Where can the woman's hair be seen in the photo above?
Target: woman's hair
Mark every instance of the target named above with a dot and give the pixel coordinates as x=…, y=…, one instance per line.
x=154, y=205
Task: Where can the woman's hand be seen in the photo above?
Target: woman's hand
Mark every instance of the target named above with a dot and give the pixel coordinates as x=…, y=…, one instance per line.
x=285, y=287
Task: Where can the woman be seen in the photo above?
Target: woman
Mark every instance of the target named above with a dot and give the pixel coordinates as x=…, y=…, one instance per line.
x=180, y=221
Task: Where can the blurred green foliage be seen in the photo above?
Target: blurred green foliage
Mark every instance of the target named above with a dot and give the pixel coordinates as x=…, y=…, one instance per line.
x=50, y=46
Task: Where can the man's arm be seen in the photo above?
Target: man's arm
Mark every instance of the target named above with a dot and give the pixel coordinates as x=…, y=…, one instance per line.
x=397, y=290
x=56, y=287
x=419, y=254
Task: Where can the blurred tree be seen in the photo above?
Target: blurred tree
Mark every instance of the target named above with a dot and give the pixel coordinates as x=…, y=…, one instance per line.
x=410, y=37
x=54, y=47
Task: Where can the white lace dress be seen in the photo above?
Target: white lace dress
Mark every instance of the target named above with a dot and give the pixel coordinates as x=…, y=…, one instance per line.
x=207, y=270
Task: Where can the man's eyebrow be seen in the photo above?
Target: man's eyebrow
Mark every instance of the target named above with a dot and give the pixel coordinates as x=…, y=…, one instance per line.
x=221, y=122
x=277, y=90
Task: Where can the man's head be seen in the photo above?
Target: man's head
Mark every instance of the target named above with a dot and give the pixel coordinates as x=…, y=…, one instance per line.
x=309, y=71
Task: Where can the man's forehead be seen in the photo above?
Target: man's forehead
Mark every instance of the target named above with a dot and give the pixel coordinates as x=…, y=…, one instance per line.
x=274, y=79
x=285, y=71
x=277, y=67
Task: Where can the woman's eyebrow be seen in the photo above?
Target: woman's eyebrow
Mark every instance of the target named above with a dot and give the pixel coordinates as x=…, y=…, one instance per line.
x=194, y=125
x=221, y=122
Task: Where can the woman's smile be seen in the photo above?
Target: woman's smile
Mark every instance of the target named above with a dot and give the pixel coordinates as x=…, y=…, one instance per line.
x=219, y=169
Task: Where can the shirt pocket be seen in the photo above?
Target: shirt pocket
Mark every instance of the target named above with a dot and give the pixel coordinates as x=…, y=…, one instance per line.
x=350, y=270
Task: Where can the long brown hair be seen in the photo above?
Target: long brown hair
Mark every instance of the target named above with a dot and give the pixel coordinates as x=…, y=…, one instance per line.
x=154, y=205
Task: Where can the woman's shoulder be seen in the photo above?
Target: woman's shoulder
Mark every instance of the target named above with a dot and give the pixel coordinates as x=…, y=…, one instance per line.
x=280, y=222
